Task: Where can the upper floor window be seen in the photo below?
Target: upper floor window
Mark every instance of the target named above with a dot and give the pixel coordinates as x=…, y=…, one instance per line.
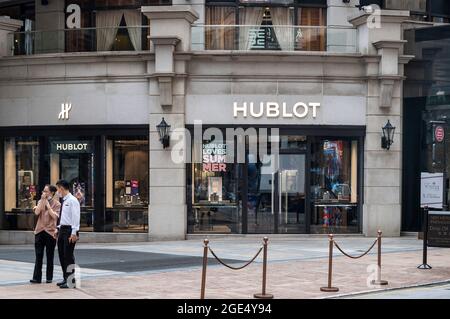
x=265, y=24
x=423, y=10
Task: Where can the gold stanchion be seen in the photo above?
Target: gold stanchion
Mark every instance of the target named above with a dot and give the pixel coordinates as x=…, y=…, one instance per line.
x=205, y=263
x=330, y=288
x=379, y=281
x=263, y=294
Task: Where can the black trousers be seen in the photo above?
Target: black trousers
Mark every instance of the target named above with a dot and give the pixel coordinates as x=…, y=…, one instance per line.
x=44, y=241
x=66, y=251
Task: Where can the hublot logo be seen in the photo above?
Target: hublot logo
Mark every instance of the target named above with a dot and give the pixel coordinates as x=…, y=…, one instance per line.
x=65, y=109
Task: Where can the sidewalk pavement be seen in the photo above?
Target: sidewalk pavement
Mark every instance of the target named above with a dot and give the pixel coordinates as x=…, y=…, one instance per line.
x=297, y=269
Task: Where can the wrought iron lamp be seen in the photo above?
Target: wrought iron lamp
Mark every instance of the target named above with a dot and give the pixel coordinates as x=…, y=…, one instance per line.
x=163, y=131
x=388, y=136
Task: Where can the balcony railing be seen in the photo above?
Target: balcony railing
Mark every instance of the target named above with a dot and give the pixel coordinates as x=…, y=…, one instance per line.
x=80, y=40
x=274, y=37
x=204, y=37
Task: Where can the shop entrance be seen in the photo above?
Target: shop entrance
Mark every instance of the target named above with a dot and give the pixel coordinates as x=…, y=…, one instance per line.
x=73, y=161
x=299, y=184
x=276, y=191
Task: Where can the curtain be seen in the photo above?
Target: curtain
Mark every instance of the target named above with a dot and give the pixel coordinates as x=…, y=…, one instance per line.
x=312, y=36
x=249, y=18
x=220, y=38
x=282, y=20
x=133, y=20
x=107, y=23
x=28, y=37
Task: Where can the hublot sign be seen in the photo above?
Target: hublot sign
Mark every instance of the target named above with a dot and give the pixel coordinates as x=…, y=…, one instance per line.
x=71, y=147
x=275, y=110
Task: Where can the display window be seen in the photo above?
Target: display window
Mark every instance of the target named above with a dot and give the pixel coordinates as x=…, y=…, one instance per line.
x=108, y=174
x=215, y=187
x=334, y=184
x=307, y=184
x=127, y=189
x=21, y=172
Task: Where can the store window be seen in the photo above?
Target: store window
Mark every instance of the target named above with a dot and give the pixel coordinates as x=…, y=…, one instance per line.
x=21, y=174
x=222, y=31
x=423, y=10
x=214, y=191
x=110, y=25
x=412, y=5
x=127, y=178
x=334, y=185
x=266, y=25
x=310, y=36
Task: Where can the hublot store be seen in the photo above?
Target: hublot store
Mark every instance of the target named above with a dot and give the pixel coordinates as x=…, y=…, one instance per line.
x=311, y=131
x=107, y=168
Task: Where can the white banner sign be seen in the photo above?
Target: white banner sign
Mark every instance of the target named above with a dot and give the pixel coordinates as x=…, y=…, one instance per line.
x=432, y=190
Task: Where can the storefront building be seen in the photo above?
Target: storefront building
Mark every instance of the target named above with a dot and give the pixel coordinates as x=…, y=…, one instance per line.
x=276, y=108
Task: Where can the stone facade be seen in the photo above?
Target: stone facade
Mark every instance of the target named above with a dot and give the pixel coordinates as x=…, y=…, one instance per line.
x=181, y=85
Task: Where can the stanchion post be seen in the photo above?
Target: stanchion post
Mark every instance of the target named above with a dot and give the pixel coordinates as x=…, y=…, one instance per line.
x=330, y=288
x=205, y=264
x=379, y=281
x=425, y=240
x=263, y=294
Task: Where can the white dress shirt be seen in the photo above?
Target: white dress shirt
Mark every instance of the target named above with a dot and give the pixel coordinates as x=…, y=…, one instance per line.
x=70, y=213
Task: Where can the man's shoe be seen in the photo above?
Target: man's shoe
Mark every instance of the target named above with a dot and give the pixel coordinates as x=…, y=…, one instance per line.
x=59, y=284
x=49, y=281
x=34, y=281
x=66, y=286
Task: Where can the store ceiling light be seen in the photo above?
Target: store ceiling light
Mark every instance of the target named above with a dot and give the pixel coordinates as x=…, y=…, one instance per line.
x=388, y=136
x=163, y=131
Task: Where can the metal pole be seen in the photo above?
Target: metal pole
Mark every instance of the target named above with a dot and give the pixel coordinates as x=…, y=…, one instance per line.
x=425, y=241
x=329, y=288
x=205, y=263
x=379, y=281
x=264, y=295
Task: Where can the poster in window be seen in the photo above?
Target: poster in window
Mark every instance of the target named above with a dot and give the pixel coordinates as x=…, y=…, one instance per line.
x=215, y=189
x=79, y=191
x=134, y=187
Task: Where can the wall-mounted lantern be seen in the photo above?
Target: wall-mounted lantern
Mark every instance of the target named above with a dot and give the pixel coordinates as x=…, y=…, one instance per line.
x=163, y=131
x=388, y=136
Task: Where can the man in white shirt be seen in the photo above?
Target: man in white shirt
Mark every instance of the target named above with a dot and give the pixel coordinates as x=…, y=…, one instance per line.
x=67, y=232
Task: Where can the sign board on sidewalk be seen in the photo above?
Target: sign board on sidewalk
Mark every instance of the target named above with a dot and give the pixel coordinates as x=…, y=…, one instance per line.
x=432, y=190
x=439, y=229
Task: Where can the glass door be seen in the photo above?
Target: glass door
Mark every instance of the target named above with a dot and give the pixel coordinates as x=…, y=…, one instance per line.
x=73, y=161
x=291, y=193
x=276, y=194
x=261, y=195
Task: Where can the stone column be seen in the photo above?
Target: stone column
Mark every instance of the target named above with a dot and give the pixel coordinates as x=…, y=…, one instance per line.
x=170, y=33
x=7, y=26
x=50, y=20
x=198, y=32
x=340, y=38
x=381, y=41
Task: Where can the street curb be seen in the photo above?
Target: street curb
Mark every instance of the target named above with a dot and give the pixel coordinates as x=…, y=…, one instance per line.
x=371, y=292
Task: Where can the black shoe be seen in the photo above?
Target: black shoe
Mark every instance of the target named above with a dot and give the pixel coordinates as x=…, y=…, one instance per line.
x=34, y=281
x=66, y=286
x=49, y=281
x=59, y=284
